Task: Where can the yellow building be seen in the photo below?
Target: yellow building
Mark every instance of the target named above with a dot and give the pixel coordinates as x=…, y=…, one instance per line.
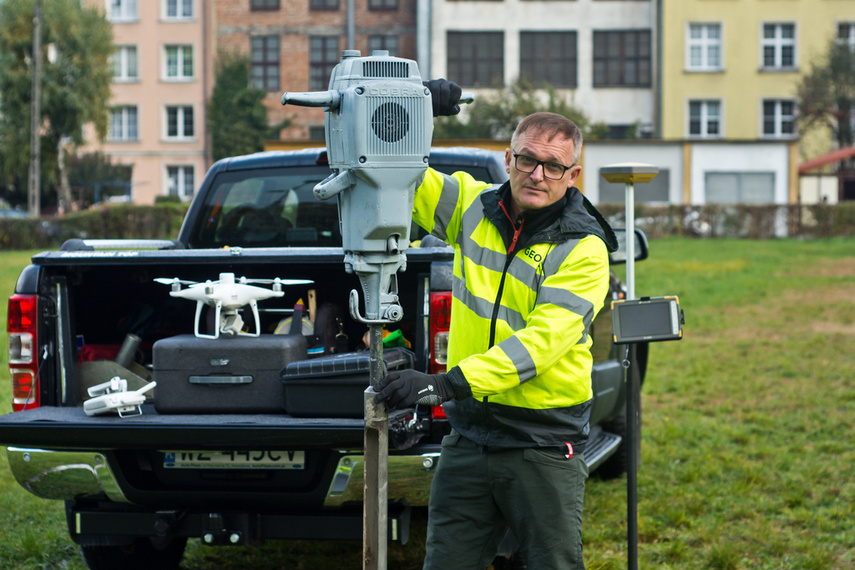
x=730, y=68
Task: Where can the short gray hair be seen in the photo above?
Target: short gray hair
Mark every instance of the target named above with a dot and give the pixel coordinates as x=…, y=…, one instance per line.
x=551, y=124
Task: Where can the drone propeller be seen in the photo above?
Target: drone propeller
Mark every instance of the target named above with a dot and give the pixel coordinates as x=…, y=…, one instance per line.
x=172, y=280
x=279, y=281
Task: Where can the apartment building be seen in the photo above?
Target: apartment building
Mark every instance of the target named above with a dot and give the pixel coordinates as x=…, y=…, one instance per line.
x=162, y=75
x=600, y=54
x=730, y=67
x=294, y=45
x=715, y=79
x=730, y=70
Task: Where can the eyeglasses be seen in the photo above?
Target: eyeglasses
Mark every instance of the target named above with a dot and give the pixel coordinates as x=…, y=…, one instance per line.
x=551, y=170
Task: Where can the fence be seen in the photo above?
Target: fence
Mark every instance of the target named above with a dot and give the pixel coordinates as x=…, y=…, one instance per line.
x=739, y=220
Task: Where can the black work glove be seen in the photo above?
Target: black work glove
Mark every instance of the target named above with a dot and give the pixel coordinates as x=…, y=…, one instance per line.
x=444, y=95
x=406, y=388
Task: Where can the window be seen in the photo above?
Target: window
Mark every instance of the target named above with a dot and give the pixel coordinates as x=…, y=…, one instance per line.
x=124, y=61
x=705, y=119
x=739, y=187
x=388, y=43
x=179, y=62
x=180, y=181
x=476, y=58
x=703, y=47
x=323, y=56
x=622, y=58
x=779, y=118
x=179, y=122
x=382, y=4
x=123, y=124
x=779, y=46
x=264, y=55
x=255, y=5
x=122, y=10
x=548, y=57
x=323, y=4
x=178, y=9
x=846, y=34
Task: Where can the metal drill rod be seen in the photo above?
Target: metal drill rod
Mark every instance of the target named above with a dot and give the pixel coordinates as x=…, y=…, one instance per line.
x=376, y=481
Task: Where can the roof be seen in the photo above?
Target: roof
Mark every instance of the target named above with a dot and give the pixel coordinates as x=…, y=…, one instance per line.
x=820, y=161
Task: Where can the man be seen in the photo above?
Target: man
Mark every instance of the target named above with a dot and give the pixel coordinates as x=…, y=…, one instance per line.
x=530, y=274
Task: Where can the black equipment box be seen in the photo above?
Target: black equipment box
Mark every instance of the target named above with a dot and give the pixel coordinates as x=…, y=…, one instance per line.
x=333, y=386
x=230, y=374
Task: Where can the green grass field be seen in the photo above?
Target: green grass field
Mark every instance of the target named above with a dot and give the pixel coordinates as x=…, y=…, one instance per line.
x=748, y=443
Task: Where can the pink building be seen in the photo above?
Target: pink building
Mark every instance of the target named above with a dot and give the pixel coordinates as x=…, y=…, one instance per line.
x=162, y=75
x=163, y=72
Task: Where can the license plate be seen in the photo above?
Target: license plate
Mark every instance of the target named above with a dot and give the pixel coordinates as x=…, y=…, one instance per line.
x=234, y=460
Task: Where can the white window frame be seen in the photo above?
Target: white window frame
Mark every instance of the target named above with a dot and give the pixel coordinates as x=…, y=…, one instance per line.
x=123, y=56
x=179, y=182
x=705, y=118
x=128, y=115
x=179, y=63
x=179, y=5
x=180, y=111
x=704, y=43
x=119, y=11
x=742, y=182
x=849, y=41
x=779, y=119
x=778, y=43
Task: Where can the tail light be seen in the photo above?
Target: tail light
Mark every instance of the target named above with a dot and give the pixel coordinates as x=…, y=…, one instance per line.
x=22, y=325
x=440, y=321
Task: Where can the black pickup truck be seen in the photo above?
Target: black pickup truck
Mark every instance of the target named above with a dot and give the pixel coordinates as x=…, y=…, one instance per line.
x=137, y=485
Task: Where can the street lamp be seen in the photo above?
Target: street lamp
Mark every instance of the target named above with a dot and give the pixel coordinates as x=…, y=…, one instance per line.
x=34, y=182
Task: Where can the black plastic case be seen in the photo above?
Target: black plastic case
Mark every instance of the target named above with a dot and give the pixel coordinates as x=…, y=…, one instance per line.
x=227, y=375
x=333, y=386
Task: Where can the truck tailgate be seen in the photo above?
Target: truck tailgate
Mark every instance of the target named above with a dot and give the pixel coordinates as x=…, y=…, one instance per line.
x=71, y=428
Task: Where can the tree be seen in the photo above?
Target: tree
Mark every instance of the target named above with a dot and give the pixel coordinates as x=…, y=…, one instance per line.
x=826, y=95
x=237, y=117
x=75, y=82
x=496, y=116
x=91, y=170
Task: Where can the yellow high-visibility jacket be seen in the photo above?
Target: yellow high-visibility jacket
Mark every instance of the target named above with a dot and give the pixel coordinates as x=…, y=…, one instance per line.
x=524, y=295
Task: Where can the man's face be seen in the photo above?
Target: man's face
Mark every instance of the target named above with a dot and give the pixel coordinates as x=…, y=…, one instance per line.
x=533, y=190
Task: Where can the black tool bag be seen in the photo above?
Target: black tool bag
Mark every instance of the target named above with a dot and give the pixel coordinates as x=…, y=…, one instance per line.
x=333, y=386
x=238, y=374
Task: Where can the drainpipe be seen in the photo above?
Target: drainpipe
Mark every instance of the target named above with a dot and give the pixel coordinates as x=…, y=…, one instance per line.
x=206, y=142
x=423, y=27
x=657, y=94
x=351, y=26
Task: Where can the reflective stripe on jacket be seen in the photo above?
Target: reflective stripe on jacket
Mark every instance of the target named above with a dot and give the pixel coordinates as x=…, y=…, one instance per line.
x=519, y=320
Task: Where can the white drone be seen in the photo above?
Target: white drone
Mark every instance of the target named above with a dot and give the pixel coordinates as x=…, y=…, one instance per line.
x=226, y=296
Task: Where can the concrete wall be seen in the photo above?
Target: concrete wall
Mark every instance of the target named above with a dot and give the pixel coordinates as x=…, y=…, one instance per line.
x=687, y=164
x=818, y=189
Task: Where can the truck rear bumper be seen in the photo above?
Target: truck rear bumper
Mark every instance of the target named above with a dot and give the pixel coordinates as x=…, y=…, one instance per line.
x=226, y=528
x=69, y=475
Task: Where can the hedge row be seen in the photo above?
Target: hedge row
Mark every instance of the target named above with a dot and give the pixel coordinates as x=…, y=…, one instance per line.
x=740, y=220
x=163, y=221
